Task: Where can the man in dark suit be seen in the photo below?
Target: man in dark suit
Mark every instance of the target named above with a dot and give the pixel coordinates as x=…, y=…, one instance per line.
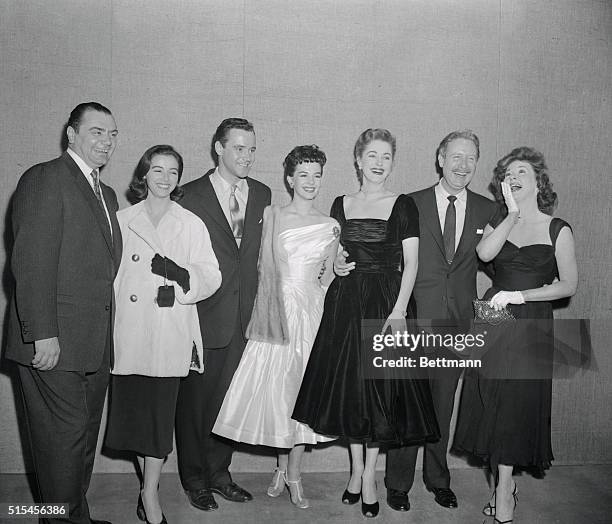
x=67, y=248
x=231, y=205
x=452, y=219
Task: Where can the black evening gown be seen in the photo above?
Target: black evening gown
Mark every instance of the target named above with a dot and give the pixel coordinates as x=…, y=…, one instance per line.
x=335, y=398
x=505, y=411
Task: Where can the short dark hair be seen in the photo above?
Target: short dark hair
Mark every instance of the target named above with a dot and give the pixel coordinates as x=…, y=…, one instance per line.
x=369, y=135
x=300, y=155
x=466, y=134
x=547, y=198
x=223, y=130
x=138, y=189
x=74, y=120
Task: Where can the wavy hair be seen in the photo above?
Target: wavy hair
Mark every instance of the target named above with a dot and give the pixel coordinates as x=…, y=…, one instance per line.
x=138, y=189
x=547, y=198
x=365, y=138
x=299, y=155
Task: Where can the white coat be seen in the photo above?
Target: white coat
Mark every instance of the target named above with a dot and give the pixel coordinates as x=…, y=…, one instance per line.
x=157, y=341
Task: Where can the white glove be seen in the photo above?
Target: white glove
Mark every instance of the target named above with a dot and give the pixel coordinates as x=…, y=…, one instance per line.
x=509, y=198
x=503, y=298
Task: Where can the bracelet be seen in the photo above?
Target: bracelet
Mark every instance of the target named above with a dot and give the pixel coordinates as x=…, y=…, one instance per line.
x=401, y=312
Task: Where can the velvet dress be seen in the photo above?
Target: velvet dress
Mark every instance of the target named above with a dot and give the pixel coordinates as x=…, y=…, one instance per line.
x=335, y=397
x=505, y=412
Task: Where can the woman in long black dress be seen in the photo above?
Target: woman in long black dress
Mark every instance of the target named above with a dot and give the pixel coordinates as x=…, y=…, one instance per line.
x=380, y=232
x=506, y=421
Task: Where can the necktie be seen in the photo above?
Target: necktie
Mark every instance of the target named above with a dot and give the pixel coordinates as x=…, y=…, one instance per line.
x=450, y=226
x=236, y=215
x=95, y=175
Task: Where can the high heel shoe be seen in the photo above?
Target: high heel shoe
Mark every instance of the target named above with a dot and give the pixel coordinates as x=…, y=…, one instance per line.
x=277, y=486
x=296, y=493
x=369, y=510
x=142, y=514
x=350, y=498
x=515, y=497
x=489, y=509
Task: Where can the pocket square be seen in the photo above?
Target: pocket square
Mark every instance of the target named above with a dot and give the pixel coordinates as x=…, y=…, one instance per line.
x=479, y=231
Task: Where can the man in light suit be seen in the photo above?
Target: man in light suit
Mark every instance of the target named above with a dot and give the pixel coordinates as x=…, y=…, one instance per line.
x=231, y=205
x=67, y=248
x=452, y=219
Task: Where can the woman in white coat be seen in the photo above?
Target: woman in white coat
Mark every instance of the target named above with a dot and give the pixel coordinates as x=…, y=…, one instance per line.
x=168, y=265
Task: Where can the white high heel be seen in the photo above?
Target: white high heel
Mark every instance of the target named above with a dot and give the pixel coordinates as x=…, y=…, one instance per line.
x=277, y=485
x=297, y=493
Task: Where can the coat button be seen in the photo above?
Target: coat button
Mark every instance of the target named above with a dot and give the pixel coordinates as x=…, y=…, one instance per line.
x=107, y=308
x=133, y=298
x=135, y=257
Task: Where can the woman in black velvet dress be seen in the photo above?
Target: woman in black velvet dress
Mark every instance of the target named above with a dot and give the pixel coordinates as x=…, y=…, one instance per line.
x=505, y=416
x=380, y=232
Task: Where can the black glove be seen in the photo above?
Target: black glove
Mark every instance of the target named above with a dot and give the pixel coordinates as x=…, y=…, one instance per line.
x=165, y=267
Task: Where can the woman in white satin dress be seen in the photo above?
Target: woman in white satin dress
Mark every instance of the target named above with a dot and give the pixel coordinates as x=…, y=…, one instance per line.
x=299, y=245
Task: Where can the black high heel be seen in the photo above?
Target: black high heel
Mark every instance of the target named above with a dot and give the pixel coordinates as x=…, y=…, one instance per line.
x=489, y=509
x=369, y=510
x=350, y=498
x=142, y=514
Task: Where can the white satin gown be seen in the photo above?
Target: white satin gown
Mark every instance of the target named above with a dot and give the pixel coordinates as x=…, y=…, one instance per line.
x=258, y=404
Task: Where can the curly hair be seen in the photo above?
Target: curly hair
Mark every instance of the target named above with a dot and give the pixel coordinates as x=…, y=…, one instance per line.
x=547, y=198
x=299, y=155
x=369, y=135
x=138, y=189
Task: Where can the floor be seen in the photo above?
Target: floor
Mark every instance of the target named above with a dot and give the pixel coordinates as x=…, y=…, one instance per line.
x=568, y=495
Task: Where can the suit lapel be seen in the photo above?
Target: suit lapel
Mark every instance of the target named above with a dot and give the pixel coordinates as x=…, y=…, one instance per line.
x=250, y=214
x=116, y=238
x=431, y=219
x=210, y=205
x=91, y=200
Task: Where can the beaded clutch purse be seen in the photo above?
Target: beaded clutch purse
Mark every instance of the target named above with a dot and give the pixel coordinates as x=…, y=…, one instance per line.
x=483, y=311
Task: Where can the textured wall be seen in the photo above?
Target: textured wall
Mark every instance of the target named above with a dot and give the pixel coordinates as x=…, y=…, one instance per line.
x=320, y=71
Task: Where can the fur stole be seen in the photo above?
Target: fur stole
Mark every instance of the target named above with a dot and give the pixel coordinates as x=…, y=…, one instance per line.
x=268, y=320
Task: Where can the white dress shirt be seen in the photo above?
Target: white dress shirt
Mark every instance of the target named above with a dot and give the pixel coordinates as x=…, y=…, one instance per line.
x=460, y=205
x=86, y=170
x=223, y=190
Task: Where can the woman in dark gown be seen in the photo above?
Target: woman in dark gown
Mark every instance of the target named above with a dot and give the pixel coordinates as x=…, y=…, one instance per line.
x=506, y=407
x=379, y=230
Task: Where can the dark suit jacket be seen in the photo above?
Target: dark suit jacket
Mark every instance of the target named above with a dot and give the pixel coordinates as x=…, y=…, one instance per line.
x=64, y=263
x=219, y=314
x=444, y=291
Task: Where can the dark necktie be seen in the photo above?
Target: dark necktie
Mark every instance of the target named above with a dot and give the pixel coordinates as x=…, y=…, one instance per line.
x=95, y=175
x=236, y=215
x=450, y=226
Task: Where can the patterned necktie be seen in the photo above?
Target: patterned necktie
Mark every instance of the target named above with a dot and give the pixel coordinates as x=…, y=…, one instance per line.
x=95, y=175
x=236, y=215
x=450, y=226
